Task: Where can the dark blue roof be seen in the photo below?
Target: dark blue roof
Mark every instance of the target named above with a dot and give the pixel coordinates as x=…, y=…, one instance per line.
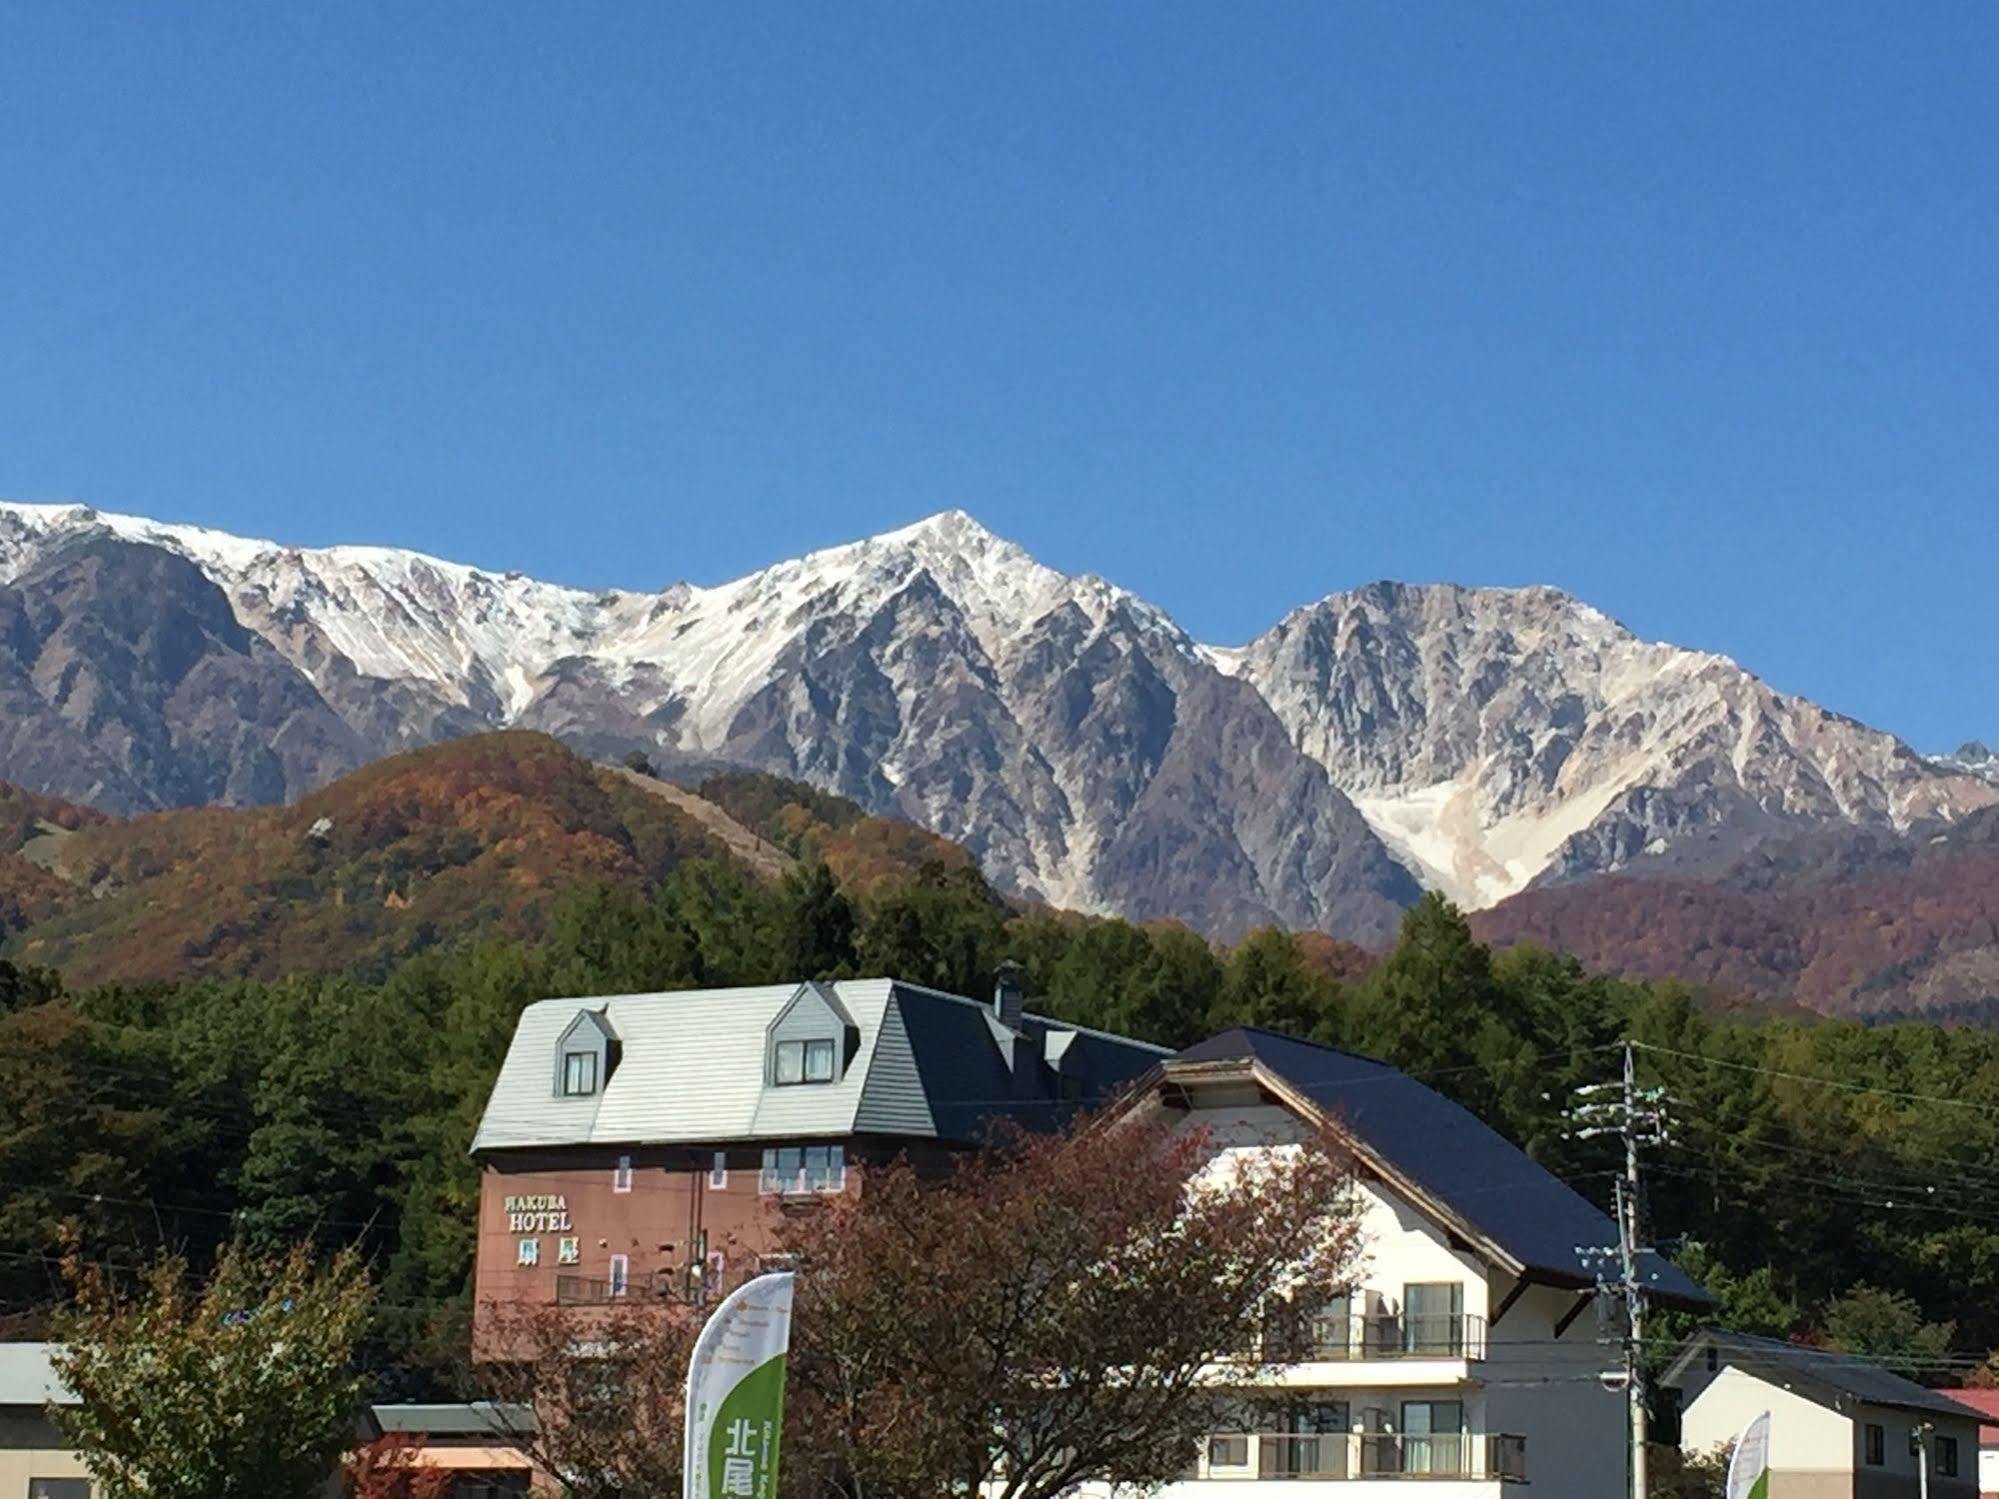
x=1828, y=1368
x=1457, y=1158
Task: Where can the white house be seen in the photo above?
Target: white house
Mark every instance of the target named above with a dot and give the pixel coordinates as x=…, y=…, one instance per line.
x=1840, y=1428
x=35, y=1461
x=1467, y=1354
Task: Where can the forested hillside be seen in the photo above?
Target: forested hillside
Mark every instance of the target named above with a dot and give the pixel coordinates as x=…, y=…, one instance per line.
x=471, y=838
x=1810, y=1162
x=1849, y=922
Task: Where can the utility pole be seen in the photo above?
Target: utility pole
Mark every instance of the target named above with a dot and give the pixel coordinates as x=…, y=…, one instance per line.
x=1638, y=1117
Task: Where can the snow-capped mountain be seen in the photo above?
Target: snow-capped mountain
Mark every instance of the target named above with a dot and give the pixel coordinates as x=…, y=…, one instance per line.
x=1499, y=736
x=1069, y=733
x=1972, y=758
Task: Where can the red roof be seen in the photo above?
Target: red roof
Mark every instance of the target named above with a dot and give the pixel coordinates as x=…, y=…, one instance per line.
x=1986, y=1403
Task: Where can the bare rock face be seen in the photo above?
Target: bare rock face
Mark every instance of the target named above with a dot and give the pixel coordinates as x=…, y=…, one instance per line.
x=126, y=682
x=1500, y=738
x=1070, y=734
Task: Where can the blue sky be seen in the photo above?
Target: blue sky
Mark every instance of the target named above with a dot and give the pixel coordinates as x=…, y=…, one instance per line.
x=1689, y=309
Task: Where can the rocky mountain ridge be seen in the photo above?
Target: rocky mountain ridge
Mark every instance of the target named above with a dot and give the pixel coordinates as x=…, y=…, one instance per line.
x=1072, y=736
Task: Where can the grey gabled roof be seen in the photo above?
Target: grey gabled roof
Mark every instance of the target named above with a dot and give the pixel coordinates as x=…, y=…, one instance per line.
x=1453, y=1156
x=1827, y=1370
x=692, y=1069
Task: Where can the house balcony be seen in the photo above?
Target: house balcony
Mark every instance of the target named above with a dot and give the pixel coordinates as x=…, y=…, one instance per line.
x=1376, y=1349
x=1365, y=1457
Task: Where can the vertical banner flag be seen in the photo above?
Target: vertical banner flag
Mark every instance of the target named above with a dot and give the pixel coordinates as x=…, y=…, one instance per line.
x=735, y=1393
x=1749, y=1468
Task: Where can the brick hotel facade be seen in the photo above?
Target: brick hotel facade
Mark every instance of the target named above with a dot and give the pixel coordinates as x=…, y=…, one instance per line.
x=636, y=1146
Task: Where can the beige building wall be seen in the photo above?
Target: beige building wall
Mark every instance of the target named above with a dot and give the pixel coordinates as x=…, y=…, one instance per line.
x=30, y=1449
x=1811, y=1445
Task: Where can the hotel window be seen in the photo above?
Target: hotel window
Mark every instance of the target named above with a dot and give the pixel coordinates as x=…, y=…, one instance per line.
x=718, y=1173
x=813, y=1168
x=58, y=1488
x=1946, y=1457
x=825, y=1168
x=621, y=1175
x=579, y=1073
x=1875, y=1452
x=621, y=1274
x=528, y=1252
x=803, y=1062
x=568, y=1251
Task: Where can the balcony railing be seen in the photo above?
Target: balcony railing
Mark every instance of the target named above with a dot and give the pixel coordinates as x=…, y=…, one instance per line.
x=654, y=1286
x=1272, y=1456
x=1309, y=1339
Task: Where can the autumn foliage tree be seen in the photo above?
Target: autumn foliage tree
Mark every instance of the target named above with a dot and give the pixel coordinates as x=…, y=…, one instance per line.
x=1048, y=1313
x=391, y=1467
x=606, y=1389
x=240, y=1388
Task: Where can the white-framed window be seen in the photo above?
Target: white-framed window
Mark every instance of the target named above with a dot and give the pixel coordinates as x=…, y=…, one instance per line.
x=718, y=1170
x=781, y=1168
x=621, y=1275
x=825, y=1168
x=621, y=1175
x=810, y=1168
x=568, y=1251
x=579, y=1073
x=528, y=1252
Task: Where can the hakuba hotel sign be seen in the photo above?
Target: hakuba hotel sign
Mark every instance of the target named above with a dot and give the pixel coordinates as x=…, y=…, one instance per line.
x=537, y=1214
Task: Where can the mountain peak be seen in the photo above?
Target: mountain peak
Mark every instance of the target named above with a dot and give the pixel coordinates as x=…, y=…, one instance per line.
x=954, y=528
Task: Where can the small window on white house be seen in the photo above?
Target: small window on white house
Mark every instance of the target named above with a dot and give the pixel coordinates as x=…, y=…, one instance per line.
x=1228, y=1452
x=718, y=1173
x=621, y=1175
x=621, y=1275
x=528, y=1252
x=579, y=1073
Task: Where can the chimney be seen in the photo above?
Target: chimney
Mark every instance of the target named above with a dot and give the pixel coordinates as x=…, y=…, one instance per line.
x=1006, y=994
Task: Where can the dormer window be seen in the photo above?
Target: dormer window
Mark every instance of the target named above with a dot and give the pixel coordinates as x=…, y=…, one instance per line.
x=579, y=1073
x=586, y=1055
x=812, y=1039
x=805, y=1061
